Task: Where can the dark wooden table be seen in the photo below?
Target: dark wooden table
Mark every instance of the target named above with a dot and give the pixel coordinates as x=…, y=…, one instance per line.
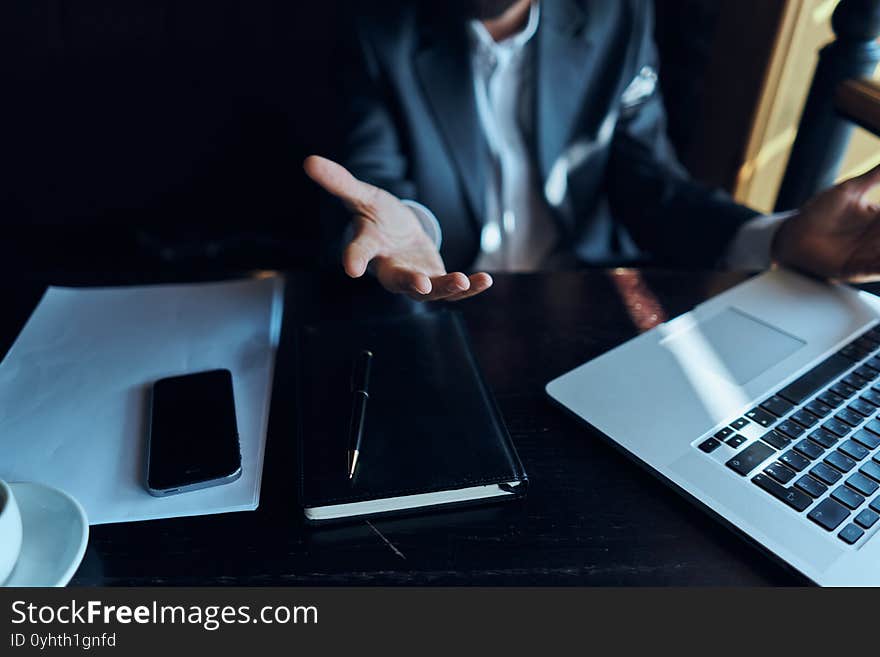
x=591, y=516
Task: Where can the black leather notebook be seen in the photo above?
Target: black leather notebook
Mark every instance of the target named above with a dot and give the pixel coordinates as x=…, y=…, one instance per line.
x=433, y=434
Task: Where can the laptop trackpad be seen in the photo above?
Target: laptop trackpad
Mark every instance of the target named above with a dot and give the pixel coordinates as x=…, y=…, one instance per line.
x=733, y=345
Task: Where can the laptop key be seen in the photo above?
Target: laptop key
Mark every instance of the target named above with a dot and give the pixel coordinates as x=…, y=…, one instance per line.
x=794, y=460
x=851, y=533
x=847, y=497
x=855, y=381
x=709, y=445
x=840, y=461
x=790, y=429
x=854, y=450
x=818, y=408
x=844, y=390
x=867, y=518
x=868, y=439
x=779, y=472
x=866, y=342
x=750, y=458
x=801, y=389
x=778, y=406
x=867, y=373
x=862, y=485
x=791, y=496
x=875, y=344
x=849, y=417
x=871, y=469
x=805, y=419
x=875, y=504
x=825, y=473
x=761, y=417
x=739, y=423
x=824, y=438
x=828, y=514
x=862, y=407
x=832, y=400
x=862, y=345
x=810, y=486
x=836, y=427
x=853, y=352
x=873, y=426
x=736, y=440
x=777, y=440
x=724, y=434
x=809, y=449
x=871, y=396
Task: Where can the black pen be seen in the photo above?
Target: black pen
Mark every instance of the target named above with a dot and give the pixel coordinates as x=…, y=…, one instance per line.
x=360, y=394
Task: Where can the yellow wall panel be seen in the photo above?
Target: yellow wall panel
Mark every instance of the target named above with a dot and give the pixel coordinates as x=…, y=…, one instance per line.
x=805, y=30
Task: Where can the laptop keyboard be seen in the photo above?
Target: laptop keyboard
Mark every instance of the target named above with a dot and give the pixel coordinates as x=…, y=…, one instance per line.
x=815, y=444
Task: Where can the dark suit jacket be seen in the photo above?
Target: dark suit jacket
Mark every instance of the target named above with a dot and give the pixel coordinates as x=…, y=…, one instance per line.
x=414, y=130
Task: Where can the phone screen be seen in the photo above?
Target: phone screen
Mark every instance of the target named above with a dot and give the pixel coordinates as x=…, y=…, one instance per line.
x=193, y=433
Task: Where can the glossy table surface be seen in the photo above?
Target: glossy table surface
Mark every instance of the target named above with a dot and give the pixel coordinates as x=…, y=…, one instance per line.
x=591, y=517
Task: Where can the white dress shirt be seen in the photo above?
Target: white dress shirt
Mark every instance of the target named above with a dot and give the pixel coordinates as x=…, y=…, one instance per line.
x=519, y=231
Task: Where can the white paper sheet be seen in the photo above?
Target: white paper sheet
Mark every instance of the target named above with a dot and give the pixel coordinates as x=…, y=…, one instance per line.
x=74, y=388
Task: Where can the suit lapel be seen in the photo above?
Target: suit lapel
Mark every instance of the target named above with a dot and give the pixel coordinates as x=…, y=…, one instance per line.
x=444, y=70
x=563, y=70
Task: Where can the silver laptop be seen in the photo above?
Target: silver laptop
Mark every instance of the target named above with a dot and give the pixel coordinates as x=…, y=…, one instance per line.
x=764, y=404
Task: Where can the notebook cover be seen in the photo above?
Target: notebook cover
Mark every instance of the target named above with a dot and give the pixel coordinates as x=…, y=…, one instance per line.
x=431, y=422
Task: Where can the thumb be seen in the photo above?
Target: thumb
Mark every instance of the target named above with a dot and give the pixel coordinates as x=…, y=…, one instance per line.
x=337, y=180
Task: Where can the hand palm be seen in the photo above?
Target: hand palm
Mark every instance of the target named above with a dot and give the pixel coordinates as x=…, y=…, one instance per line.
x=389, y=239
x=400, y=243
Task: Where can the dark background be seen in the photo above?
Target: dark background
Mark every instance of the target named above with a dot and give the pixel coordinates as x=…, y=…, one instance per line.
x=190, y=118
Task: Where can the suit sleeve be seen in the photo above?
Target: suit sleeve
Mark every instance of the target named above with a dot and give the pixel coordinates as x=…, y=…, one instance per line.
x=372, y=147
x=670, y=216
x=369, y=143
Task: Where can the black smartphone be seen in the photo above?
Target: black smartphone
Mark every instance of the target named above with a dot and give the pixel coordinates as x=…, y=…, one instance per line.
x=193, y=435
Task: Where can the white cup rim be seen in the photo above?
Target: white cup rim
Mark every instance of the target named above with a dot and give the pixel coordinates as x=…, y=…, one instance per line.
x=10, y=519
x=5, y=496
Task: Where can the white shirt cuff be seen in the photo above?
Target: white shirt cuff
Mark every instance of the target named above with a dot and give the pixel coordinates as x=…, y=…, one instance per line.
x=751, y=246
x=428, y=221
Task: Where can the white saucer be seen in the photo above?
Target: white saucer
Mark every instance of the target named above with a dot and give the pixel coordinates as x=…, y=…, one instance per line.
x=55, y=532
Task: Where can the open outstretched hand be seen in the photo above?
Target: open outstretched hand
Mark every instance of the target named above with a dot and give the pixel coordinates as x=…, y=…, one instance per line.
x=389, y=239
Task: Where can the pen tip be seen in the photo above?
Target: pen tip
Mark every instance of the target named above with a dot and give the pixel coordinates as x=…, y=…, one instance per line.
x=353, y=460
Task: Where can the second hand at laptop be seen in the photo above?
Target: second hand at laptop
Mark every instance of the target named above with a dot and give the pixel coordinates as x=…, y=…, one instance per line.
x=360, y=395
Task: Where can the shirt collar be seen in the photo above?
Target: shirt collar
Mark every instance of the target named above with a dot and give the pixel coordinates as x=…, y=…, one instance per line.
x=484, y=40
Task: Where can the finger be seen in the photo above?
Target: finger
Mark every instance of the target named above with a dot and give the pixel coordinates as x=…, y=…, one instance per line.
x=868, y=180
x=479, y=283
x=337, y=180
x=358, y=254
x=447, y=285
x=400, y=280
x=443, y=287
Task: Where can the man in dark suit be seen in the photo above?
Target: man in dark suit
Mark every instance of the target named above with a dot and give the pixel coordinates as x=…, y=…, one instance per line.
x=514, y=135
